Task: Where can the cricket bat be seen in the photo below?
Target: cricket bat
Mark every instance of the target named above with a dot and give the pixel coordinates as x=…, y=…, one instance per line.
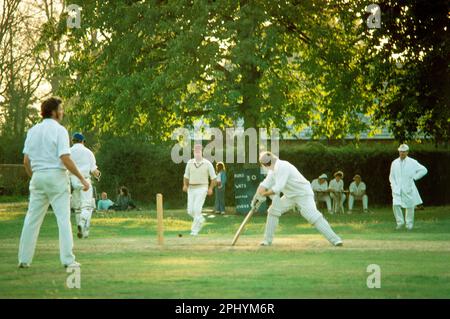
x=241, y=228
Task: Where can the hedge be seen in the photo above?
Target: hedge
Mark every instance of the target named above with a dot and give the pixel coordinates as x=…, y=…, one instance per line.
x=148, y=169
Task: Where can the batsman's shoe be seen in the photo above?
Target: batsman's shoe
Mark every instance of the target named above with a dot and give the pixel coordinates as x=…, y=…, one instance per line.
x=339, y=244
x=73, y=265
x=80, y=232
x=265, y=243
x=194, y=233
x=23, y=265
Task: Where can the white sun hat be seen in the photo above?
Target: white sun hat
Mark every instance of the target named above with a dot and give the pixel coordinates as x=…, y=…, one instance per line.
x=403, y=148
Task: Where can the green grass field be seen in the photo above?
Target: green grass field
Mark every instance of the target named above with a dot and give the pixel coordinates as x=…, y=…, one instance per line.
x=121, y=259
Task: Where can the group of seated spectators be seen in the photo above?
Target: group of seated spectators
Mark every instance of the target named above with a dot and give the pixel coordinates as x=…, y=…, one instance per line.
x=123, y=201
x=334, y=194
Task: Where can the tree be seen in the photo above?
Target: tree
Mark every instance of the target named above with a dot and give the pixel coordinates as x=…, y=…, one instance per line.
x=21, y=70
x=410, y=54
x=157, y=65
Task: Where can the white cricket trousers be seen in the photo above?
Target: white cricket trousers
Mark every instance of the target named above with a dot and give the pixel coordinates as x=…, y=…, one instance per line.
x=196, y=199
x=364, y=199
x=82, y=203
x=324, y=198
x=308, y=210
x=400, y=220
x=47, y=187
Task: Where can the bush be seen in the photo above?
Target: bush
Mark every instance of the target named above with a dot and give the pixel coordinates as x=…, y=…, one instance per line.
x=13, y=180
x=147, y=169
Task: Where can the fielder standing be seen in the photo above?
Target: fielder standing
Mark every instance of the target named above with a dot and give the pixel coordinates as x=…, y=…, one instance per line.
x=404, y=171
x=46, y=161
x=82, y=201
x=198, y=174
x=283, y=177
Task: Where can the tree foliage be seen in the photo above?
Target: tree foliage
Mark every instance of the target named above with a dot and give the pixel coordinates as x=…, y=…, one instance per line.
x=143, y=68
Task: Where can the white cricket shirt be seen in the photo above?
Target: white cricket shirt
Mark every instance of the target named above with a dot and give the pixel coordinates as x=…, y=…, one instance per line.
x=46, y=142
x=83, y=158
x=358, y=190
x=317, y=187
x=199, y=173
x=286, y=179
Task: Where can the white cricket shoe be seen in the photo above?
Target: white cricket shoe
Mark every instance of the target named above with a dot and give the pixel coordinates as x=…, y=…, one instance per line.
x=339, y=244
x=265, y=243
x=73, y=265
x=23, y=265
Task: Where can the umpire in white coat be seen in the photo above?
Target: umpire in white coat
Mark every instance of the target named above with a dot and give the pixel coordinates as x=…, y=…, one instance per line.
x=404, y=171
x=46, y=161
x=283, y=177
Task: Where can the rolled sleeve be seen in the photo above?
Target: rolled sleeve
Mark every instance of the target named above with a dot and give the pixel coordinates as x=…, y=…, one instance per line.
x=63, y=144
x=93, y=162
x=26, y=147
x=363, y=187
x=268, y=182
x=187, y=171
x=212, y=173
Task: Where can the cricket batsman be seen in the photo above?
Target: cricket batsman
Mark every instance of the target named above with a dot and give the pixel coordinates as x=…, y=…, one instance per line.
x=283, y=177
x=198, y=174
x=82, y=201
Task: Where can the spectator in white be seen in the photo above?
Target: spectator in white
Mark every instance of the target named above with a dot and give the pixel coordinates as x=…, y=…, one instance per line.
x=321, y=191
x=46, y=161
x=357, y=192
x=198, y=174
x=404, y=171
x=83, y=202
x=283, y=177
x=336, y=188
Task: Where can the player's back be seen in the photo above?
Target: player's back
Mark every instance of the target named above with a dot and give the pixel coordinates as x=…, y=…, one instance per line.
x=83, y=158
x=44, y=144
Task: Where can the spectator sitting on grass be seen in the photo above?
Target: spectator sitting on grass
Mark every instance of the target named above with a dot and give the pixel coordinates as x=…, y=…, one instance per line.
x=124, y=201
x=104, y=203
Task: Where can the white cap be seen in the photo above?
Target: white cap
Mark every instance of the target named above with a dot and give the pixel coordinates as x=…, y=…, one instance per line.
x=403, y=148
x=323, y=176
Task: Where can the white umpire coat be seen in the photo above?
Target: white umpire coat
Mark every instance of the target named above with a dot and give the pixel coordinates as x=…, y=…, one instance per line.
x=402, y=176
